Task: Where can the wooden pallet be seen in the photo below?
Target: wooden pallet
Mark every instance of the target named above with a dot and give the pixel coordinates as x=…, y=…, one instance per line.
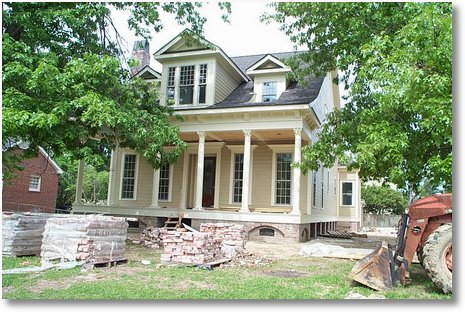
x=104, y=264
x=336, y=234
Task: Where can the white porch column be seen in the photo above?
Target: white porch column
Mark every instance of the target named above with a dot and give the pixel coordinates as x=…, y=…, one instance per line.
x=111, y=179
x=296, y=179
x=246, y=172
x=79, y=182
x=185, y=168
x=155, y=186
x=200, y=162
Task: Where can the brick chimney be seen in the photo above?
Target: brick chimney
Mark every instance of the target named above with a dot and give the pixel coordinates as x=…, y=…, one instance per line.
x=141, y=53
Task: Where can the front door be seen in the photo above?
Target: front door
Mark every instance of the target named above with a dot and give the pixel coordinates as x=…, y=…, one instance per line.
x=209, y=171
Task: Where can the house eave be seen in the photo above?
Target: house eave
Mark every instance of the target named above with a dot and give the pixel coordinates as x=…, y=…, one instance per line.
x=212, y=111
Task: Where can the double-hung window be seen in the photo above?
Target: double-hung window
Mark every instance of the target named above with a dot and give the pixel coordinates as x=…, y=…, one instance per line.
x=164, y=183
x=269, y=91
x=202, y=83
x=128, y=183
x=283, y=178
x=237, y=178
x=170, y=89
x=34, y=183
x=347, y=193
x=187, y=84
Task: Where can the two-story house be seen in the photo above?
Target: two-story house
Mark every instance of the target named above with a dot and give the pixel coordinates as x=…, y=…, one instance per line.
x=244, y=123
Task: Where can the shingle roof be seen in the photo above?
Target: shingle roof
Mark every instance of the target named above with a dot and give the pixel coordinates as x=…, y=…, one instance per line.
x=294, y=94
x=244, y=62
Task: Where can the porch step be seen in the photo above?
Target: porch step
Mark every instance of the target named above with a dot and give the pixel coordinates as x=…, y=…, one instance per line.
x=172, y=223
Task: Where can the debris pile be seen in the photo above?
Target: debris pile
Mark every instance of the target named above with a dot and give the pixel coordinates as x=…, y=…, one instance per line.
x=91, y=239
x=181, y=246
x=22, y=233
x=248, y=259
x=232, y=235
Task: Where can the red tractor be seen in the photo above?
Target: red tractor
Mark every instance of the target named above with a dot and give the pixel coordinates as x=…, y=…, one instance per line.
x=426, y=230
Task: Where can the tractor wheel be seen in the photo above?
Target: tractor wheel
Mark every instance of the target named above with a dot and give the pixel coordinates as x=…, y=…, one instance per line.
x=437, y=257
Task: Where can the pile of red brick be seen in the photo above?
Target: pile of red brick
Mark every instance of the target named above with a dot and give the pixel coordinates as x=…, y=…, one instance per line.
x=213, y=242
x=232, y=235
x=181, y=246
x=151, y=237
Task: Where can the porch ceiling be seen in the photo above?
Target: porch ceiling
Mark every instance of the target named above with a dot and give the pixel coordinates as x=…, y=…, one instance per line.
x=266, y=136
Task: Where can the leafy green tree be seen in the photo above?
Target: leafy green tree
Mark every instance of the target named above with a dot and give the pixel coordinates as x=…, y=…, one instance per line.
x=396, y=63
x=382, y=199
x=95, y=183
x=67, y=88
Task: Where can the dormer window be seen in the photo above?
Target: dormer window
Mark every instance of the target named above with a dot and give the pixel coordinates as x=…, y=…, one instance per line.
x=187, y=84
x=269, y=91
x=202, y=83
x=171, y=83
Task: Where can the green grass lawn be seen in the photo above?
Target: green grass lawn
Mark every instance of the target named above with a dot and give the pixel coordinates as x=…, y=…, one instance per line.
x=299, y=278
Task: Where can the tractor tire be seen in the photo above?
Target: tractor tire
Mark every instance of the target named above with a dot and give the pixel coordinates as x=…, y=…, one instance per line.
x=435, y=254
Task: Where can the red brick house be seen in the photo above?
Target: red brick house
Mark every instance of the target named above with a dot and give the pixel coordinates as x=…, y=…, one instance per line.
x=35, y=188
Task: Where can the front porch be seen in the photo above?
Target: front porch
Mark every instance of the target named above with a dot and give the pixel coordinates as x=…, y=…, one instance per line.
x=216, y=174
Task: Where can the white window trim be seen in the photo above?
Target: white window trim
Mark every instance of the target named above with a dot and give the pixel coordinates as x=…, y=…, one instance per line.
x=275, y=89
x=38, y=184
x=322, y=188
x=210, y=83
x=136, y=176
x=353, y=193
x=314, y=185
x=284, y=148
x=239, y=149
x=170, y=187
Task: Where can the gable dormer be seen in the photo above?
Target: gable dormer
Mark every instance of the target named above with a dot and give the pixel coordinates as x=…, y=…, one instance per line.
x=269, y=75
x=196, y=72
x=148, y=74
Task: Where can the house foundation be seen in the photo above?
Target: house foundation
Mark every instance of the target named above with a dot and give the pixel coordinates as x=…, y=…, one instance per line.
x=277, y=232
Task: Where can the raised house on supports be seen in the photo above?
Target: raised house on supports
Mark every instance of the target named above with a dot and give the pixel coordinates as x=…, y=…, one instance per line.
x=244, y=123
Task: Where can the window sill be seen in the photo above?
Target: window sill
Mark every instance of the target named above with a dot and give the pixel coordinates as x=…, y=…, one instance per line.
x=35, y=191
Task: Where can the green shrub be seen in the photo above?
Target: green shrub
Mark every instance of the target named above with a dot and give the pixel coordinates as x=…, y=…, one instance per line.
x=383, y=200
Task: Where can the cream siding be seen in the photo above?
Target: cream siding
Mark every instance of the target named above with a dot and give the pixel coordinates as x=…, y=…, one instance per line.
x=177, y=186
x=262, y=171
x=353, y=211
x=225, y=83
x=226, y=155
x=325, y=98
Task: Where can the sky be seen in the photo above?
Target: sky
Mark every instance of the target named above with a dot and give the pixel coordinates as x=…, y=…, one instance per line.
x=245, y=35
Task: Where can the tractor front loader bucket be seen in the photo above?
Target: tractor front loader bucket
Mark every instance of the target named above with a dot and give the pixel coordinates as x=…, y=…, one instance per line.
x=376, y=270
